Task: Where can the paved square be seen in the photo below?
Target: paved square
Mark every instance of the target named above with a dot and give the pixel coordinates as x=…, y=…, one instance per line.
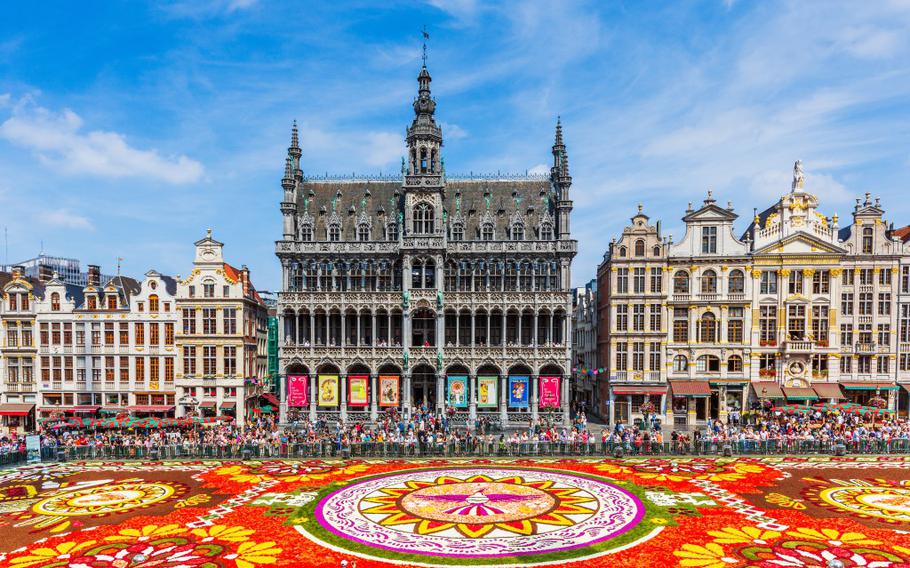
x=697, y=512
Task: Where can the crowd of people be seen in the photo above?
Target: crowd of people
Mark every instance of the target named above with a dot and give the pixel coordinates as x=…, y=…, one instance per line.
x=427, y=431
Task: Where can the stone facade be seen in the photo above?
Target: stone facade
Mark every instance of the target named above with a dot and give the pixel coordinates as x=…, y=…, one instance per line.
x=414, y=284
x=584, y=346
x=796, y=309
x=221, y=339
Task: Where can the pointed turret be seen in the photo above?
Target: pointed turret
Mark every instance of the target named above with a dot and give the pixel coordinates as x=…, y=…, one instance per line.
x=292, y=174
x=424, y=137
x=562, y=181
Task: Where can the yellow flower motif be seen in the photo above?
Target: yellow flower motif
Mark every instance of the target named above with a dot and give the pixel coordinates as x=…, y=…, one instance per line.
x=249, y=554
x=63, y=551
x=611, y=468
x=360, y=468
x=710, y=555
x=833, y=537
x=659, y=521
x=238, y=473
x=223, y=533
x=146, y=533
x=902, y=549
x=744, y=535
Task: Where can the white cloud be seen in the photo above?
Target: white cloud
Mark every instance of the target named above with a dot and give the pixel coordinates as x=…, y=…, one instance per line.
x=452, y=131
x=234, y=5
x=539, y=169
x=463, y=11
x=59, y=140
x=65, y=219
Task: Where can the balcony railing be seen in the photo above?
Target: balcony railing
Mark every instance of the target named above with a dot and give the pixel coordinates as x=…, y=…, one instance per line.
x=799, y=346
x=864, y=347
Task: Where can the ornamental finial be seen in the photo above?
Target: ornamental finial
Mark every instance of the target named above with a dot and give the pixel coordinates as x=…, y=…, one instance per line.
x=799, y=179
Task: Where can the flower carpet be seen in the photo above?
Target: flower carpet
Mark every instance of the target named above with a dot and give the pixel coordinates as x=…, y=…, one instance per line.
x=691, y=512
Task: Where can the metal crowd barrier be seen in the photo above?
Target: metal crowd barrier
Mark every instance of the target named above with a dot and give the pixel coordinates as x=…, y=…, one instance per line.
x=462, y=448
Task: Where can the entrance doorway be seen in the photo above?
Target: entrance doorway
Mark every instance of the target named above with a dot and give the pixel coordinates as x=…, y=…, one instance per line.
x=423, y=387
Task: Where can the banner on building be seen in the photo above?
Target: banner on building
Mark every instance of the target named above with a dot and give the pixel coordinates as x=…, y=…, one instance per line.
x=518, y=391
x=298, y=390
x=458, y=391
x=549, y=392
x=358, y=389
x=389, y=394
x=486, y=392
x=328, y=390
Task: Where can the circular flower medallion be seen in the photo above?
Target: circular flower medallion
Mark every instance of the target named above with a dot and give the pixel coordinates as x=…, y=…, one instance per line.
x=890, y=503
x=478, y=514
x=105, y=499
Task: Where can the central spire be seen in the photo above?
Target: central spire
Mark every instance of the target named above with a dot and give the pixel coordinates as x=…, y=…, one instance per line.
x=424, y=136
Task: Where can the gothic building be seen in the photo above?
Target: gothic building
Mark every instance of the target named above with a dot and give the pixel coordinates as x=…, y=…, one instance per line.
x=426, y=290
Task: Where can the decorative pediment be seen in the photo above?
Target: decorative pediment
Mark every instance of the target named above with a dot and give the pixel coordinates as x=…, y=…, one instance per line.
x=800, y=243
x=365, y=219
x=306, y=219
x=334, y=219
x=711, y=213
x=487, y=219
x=516, y=218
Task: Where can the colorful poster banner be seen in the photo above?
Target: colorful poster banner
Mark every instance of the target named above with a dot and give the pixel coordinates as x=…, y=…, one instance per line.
x=549, y=392
x=328, y=390
x=389, y=394
x=357, y=390
x=487, y=391
x=458, y=391
x=298, y=390
x=518, y=391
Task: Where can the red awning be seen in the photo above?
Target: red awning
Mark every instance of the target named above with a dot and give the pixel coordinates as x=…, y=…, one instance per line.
x=906, y=386
x=15, y=409
x=150, y=408
x=55, y=409
x=690, y=388
x=632, y=389
x=767, y=389
x=828, y=390
x=85, y=409
x=272, y=399
x=230, y=404
x=207, y=404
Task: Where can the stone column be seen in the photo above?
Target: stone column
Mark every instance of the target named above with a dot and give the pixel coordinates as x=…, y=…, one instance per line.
x=566, y=403
x=374, y=399
x=440, y=391
x=343, y=379
x=312, y=328
x=313, y=397
x=283, y=398
x=535, y=397
x=472, y=398
x=473, y=341
x=406, y=394
x=503, y=402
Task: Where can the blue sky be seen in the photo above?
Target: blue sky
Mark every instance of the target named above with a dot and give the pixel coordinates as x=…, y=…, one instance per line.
x=127, y=129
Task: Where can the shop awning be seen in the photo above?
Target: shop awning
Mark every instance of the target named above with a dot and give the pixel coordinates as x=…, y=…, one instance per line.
x=272, y=399
x=207, y=404
x=767, y=389
x=828, y=390
x=690, y=388
x=150, y=408
x=906, y=386
x=864, y=386
x=799, y=393
x=85, y=409
x=15, y=409
x=230, y=404
x=49, y=409
x=639, y=390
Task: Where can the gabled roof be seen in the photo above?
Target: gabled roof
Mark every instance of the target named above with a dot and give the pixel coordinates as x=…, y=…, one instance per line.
x=902, y=233
x=711, y=211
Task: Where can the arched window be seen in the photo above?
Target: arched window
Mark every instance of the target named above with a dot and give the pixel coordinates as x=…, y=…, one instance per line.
x=546, y=232
x=518, y=232
x=363, y=232
x=334, y=233
x=707, y=327
x=391, y=232
x=709, y=282
x=867, y=240
x=153, y=303
x=707, y=364
x=681, y=283
x=735, y=364
x=208, y=289
x=306, y=232
x=424, y=162
x=458, y=232
x=737, y=284
x=656, y=250
x=55, y=302
x=486, y=232
x=622, y=252
x=423, y=274
x=640, y=247
x=680, y=364
x=423, y=219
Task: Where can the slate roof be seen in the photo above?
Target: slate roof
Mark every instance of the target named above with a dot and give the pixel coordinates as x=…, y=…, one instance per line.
x=472, y=201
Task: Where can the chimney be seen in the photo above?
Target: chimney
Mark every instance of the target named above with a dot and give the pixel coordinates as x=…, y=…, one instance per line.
x=94, y=275
x=245, y=279
x=45, y=272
